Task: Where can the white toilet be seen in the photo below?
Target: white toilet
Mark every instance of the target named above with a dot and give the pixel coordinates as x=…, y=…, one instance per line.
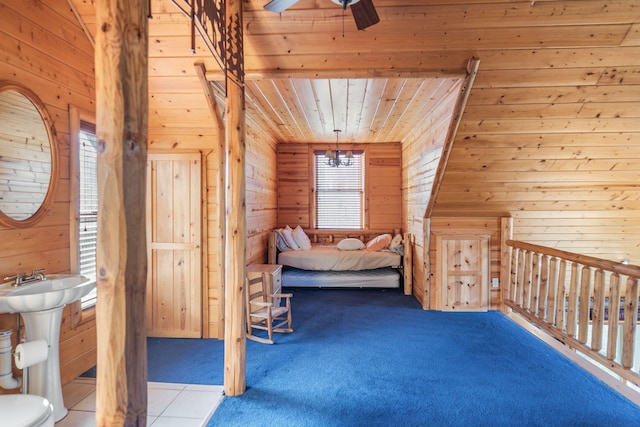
x=25, y=410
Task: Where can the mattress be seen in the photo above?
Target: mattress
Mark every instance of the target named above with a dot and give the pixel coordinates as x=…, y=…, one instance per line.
x=330, y=258
x=376, y=278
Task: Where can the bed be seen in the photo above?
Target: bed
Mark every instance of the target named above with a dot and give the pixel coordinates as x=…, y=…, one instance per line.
x=323, y=265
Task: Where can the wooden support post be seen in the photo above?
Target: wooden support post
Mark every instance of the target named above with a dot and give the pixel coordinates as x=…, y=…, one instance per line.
x=426, y=262
x=234, y=332
x=407, y=267
x=219, y=151
x=506, y=233
x=122, y=111
x=235, y=342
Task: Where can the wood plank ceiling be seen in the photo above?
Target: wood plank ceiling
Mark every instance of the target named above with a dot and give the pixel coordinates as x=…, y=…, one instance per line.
x=289, y=108
x=550, y=135
x=364, y=110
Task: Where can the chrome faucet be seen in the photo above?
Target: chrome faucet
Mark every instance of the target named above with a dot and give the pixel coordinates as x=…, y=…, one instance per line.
x=21, y=279
x=38, y=274
x=17, y=279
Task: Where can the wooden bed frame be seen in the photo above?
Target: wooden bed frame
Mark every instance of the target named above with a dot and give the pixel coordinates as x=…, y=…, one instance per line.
x=334, y=236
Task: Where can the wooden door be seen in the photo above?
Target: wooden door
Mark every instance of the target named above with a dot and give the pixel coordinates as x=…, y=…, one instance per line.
x=465, y=266
x=174, y=290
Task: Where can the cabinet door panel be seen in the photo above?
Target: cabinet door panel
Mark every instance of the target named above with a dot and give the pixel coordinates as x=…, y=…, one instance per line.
x=464, y=266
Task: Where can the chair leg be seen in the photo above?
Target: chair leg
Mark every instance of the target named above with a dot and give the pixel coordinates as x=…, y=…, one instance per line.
x=270, y=327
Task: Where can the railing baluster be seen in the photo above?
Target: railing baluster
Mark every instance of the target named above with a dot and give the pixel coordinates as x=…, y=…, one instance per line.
x=526, y=303
x=572, y=309
x=513, y=286
x=597, y=317
x=544, y=285
x=630, y=319
x=614, y=315
x=584, y=304
x=522, y=256
x=551, y=291
x=535, y=282
x=561, y=295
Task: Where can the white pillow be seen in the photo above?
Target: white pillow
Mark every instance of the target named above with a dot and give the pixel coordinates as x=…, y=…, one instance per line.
x=301, y=238
x=287, y=233
x=280, y=242
x=350, y=244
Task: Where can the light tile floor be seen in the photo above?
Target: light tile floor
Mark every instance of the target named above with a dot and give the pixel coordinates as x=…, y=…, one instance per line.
x=168, y=405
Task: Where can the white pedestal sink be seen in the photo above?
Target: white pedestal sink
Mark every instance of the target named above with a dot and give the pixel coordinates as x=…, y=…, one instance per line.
x=40, y=304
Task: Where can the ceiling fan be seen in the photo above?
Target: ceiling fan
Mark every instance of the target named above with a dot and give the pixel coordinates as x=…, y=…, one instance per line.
x=364, y=12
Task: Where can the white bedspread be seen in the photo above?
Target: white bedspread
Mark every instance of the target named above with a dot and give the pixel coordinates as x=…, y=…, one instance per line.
x=330, y=258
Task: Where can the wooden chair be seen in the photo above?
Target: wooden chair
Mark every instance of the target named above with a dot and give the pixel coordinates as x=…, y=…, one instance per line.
x=262, y=313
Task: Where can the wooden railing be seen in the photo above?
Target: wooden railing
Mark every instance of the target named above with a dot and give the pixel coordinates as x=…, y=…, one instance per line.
x=589, y=304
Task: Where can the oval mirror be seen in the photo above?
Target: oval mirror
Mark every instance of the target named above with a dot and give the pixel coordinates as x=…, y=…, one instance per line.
x=27, y=157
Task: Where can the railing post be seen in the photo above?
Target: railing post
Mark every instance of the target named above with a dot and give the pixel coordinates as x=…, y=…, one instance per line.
x=506, y=232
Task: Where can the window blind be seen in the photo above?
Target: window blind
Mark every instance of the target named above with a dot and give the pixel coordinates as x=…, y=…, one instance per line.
x=339, y=193
x=88, y=207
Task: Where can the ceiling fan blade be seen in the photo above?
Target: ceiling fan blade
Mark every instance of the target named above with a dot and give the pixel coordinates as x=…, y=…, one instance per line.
x=279, y=6
x=364, y=13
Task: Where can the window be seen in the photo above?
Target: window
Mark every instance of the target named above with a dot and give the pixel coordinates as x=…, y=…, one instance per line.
x=339, y=193
x=88, y=207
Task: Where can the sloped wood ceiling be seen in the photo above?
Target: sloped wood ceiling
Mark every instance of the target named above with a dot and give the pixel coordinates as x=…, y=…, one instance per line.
x=364, y=110
x=551, y=132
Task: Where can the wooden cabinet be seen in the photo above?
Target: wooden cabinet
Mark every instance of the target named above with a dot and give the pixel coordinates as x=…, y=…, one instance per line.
x=463, y=267
x=272, y=277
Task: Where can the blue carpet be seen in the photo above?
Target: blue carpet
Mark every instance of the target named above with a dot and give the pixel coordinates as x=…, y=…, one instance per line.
x=182, y=361
x=185, y=361
x=375, y=358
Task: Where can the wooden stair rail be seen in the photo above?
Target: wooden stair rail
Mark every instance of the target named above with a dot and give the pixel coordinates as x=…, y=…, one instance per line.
x=582, y=301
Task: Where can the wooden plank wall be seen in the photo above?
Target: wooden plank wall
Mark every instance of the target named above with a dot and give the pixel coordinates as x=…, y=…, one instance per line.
x=550, y=134
x=260, y=197
x=421, y=154
x=382, y=184
x=45, y=50
x=294, y=190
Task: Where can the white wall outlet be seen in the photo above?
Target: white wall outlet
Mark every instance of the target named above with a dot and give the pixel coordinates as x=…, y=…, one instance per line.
x=495, y=282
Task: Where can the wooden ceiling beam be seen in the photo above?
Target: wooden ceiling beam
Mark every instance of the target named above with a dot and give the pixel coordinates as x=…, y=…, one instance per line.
x=472, y=70
x=218, y=75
